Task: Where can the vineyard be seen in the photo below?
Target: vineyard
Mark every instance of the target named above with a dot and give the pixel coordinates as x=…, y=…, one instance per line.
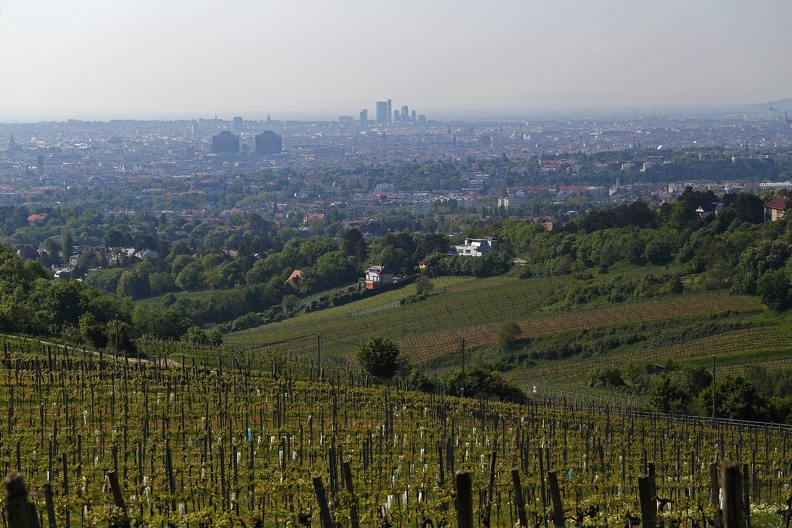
x=459, y=304
x=431, y=332
x=245, y=443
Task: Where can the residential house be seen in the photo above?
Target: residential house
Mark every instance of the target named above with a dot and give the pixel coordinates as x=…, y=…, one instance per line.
x=147, y=254
x=475, y=247
x=378, y=277
x=775, y=208
x=295, y=277
x=34, y=218
x=709, y=209
x=313, y=216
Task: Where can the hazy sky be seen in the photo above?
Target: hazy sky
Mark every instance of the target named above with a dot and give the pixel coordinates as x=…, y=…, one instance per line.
x=101, y=59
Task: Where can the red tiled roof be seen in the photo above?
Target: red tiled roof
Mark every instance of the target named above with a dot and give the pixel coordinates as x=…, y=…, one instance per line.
x=778, y=204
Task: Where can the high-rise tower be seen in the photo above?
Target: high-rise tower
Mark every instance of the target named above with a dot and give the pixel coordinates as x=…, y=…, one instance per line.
x=225, y=143
x=382, y=112
x=268, y=142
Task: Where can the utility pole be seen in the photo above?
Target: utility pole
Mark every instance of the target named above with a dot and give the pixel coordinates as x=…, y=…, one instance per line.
x=462, y=391
x=318, y=357
x=713, y=391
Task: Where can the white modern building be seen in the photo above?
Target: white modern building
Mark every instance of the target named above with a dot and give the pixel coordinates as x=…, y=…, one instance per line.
x=475, y=247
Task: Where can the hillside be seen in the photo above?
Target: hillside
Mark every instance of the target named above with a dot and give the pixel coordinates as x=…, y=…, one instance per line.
x=558, y=346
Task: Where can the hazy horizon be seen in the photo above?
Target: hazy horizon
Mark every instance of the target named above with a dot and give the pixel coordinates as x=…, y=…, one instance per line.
x=182, y=59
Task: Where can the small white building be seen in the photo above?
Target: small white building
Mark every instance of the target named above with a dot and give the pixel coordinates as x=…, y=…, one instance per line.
x=475, y=247
x=510, y=202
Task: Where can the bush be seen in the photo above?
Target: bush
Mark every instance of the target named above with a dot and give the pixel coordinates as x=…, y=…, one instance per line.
x=606, y=376
x=379, y=356
x=508, y=333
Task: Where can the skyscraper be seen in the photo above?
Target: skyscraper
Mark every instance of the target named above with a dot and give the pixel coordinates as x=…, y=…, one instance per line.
x=225, y=143
x=382, y=112
x=238, y=124
x=405, y=114
x=364, y=117
x=268, y=142
x=390, y=112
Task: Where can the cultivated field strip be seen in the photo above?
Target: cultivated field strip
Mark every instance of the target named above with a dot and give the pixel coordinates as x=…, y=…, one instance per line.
x=430, y=345
x=238, y=445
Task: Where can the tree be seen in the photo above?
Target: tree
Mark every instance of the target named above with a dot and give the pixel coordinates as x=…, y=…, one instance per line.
x=424, y=285
x=669, y=396
x=163, y=323
x=67, y=247
x=195, y=335
x=508, y=333
x=113, y=238
x=606, y=376
x=774, y=289
x=698, y=379
x=355, y=245
x=289, y=302
x=481, y=381
x=379, y=356
x=190, y=278
x=91, y=331
x=736, y=398
x=392, y=258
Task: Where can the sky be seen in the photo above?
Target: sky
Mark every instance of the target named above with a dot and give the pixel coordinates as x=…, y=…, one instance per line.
x=167, y=59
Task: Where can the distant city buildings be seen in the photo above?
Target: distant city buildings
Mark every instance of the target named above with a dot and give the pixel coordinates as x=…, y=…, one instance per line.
x=238, y=124
x=510, y=202
x=363, y=117
x=268, y=142
x=225, y=143
x=386, y=114
x=382, y=112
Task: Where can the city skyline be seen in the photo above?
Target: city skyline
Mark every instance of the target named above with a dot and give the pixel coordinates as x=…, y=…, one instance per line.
x=96, y=60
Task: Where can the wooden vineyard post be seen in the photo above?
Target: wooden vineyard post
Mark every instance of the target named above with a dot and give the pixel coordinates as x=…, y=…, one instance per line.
x=650, y=472
x=647, y=502
x=544, y=492
x=50, y=505
x=732, y=495
x=464, y=490
x=353, y=511
x=714, y=491
x=21, y=513
x=490, y=490
x=518, y=498
x=326, y=521
x=746, y=496
x=555, y=496
x=122, y=520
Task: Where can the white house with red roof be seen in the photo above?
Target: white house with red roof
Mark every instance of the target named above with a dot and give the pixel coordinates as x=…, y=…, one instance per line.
x=378, y=277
